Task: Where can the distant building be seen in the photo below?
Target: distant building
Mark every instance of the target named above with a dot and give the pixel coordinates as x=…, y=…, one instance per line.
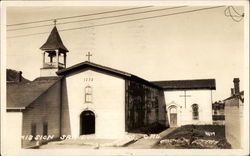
x=218, y=113
x=234, y=106
x=15, y=76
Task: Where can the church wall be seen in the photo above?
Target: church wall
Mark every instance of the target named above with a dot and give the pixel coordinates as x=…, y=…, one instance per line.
x=184, y=112
x=45, y=72
x=44, y=110
x=108, y=103
x=13, y=132
x=144, y=105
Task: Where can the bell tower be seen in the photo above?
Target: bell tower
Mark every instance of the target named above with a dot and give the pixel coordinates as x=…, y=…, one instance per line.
x=54, y=54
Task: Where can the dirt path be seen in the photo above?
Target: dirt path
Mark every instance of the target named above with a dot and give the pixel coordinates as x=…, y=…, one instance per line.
x=148, y=142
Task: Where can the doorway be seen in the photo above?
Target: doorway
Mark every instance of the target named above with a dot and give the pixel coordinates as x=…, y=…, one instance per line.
x=173, y=116
x=87, y=123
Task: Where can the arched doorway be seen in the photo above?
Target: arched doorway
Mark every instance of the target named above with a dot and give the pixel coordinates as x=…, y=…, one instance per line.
x=173, y=116
x=87, y=123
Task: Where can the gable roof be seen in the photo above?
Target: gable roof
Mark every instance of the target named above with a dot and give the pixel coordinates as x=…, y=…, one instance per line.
x=87, y=65
x=186, y=84
x=20, y=95
x=54, y=42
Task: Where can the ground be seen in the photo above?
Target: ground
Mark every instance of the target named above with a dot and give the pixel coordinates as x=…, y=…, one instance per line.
x=195, y=136
x=189, y=136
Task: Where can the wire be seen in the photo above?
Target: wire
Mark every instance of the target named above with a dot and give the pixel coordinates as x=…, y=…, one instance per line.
x=227, y=13
x=85, y=15
x=237, y=12
x=99, y=18
x=125, y=21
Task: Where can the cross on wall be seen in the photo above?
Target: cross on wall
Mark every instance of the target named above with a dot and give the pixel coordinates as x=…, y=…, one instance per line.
x=185, y=96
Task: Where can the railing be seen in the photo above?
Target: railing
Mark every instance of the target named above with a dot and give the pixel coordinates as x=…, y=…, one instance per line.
x=61, y=65
x=53, y=64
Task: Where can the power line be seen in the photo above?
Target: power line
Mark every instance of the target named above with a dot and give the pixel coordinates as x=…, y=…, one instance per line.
x=237, y=18
x=237, y=12
x=85, y=15
x=98, y=18
x=125, y=21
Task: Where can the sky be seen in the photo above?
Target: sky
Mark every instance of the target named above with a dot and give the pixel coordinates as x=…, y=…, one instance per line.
x=197, y=45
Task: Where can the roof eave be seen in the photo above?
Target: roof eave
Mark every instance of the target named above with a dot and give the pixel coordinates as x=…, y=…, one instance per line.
x=15, y=109
x=172, y=89
x=52, y=49
x=91, y=65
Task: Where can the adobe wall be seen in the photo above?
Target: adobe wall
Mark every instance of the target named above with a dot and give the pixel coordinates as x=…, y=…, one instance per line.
x=145, y=105
x=108, y=103
x=45, y=109
x=184, y=111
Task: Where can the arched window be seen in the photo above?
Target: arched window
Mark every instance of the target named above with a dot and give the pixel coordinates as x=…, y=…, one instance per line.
x=88, y=94
x=195, y=109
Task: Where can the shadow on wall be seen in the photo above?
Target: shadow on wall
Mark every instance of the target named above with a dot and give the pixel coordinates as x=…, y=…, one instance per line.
x=65, y=115
x=163, y=118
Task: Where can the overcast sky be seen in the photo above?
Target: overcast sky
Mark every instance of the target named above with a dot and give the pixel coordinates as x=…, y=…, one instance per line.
x=197, y=45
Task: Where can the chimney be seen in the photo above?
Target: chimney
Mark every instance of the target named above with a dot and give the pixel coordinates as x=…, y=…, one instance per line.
x=19, y=76
x=232, y=91
x=236, y=86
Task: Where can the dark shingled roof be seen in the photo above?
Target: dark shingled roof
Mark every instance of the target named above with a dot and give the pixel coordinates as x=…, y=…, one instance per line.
x=87, y=65
x=54, y=42
x=186, y=84
x=20, y=95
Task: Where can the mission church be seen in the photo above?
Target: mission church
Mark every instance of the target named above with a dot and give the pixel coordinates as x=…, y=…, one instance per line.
x=88, y=98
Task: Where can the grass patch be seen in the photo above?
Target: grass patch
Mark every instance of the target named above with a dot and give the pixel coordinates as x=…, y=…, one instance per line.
x=196, y=137
x=198, y=131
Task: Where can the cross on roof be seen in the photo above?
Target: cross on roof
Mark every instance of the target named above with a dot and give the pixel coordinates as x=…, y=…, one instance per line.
x=88, y=55
x=55, y=22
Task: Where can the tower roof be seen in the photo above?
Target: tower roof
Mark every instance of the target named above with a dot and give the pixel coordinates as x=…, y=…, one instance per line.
x=54, y=42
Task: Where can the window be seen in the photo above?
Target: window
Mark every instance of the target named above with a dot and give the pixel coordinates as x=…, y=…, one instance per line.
x=88, y=94
x=195, y=109
x=45, y=128
x=33, y=131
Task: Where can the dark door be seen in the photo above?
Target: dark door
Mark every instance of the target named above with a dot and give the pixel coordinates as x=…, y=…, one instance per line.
x=173, y=119
x=87, y=123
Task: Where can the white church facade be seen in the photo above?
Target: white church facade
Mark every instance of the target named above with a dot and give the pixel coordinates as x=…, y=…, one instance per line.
x=89, y=98
x=188, y=101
